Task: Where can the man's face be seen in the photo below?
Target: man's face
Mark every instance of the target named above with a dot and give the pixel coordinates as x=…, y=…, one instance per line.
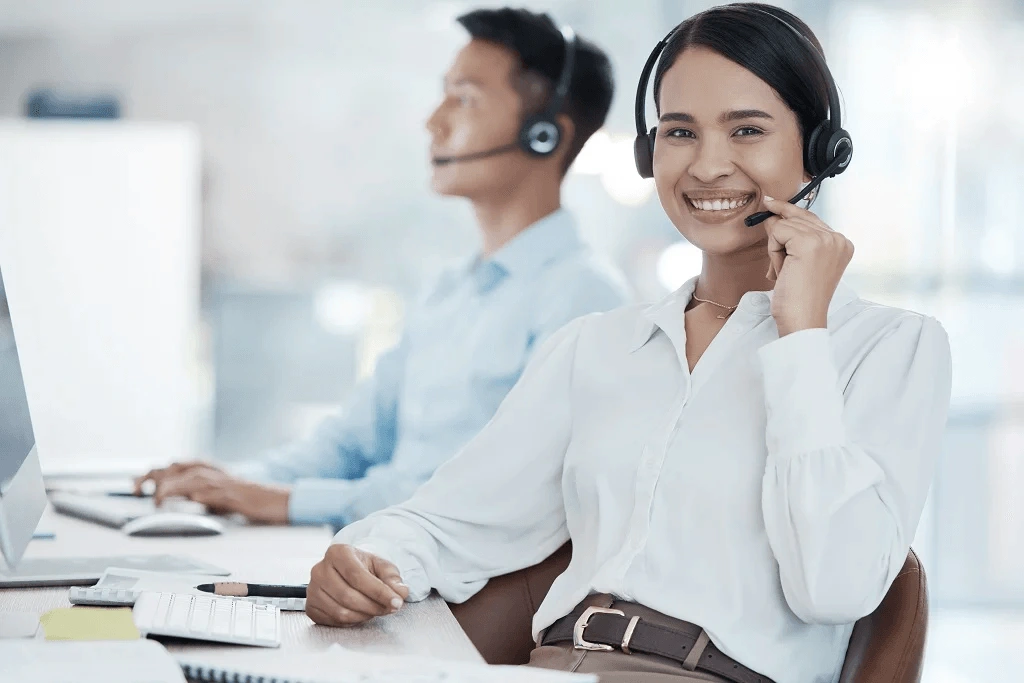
x=481, y=110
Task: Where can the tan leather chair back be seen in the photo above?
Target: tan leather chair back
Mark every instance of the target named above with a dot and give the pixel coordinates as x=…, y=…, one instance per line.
x=887, y=646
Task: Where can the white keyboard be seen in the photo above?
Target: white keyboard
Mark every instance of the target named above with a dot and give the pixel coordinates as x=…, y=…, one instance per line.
x=216, y=618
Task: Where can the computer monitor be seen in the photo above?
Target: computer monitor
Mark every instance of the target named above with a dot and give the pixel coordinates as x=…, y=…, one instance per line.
x=22, y=496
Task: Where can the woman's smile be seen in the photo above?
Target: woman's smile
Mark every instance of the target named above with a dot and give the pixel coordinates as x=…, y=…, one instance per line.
x=717, y=206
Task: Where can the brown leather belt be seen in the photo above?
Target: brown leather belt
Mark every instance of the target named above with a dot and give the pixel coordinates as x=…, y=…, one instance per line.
x=598, y=628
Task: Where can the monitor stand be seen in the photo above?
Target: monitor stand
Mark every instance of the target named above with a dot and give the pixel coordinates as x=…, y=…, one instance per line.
x=18, y=625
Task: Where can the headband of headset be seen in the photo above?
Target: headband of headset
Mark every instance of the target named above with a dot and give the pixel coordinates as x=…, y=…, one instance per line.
x=823, y=145
x=541, y=133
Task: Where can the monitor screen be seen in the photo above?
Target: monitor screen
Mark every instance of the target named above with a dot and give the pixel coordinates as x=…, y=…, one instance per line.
x=16, y=436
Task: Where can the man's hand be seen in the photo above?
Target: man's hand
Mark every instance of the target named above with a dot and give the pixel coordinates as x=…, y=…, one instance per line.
x=172, y=471
x=222, y=493
x=350, y=586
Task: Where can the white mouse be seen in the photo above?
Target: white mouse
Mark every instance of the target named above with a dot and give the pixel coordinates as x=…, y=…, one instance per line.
x=173, y=524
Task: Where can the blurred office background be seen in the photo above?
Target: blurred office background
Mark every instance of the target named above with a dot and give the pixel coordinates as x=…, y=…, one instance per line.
x=304, y=224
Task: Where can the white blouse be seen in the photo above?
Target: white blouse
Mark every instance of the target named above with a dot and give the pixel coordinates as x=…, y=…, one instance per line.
x=770, y=496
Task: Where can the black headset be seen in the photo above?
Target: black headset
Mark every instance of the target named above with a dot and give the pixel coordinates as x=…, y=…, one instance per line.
x=829, y=147
x=541, y=133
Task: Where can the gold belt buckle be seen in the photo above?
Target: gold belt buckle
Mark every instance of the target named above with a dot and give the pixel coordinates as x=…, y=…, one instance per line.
x=578, y=641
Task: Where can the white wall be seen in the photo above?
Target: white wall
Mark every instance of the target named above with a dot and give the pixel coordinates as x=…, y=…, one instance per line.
x=99, y=244
x=312, y=117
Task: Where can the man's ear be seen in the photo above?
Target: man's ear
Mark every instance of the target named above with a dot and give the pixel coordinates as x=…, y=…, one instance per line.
x=568, y=133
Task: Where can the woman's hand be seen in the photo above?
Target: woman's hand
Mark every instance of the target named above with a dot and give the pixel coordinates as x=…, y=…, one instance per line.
x=350, y=586
x=808, y=259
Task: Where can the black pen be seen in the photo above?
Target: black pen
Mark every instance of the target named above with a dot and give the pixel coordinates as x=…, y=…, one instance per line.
x=242, y=590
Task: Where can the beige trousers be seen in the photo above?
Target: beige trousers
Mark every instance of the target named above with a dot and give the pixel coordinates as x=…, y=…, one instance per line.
x=616, y=666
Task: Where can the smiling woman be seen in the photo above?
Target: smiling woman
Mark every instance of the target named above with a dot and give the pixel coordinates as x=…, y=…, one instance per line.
x=762, y=110
x=758, y=491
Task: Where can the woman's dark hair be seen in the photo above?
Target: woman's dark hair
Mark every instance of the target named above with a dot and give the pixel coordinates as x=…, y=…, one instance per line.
x=744, y=33
x=538, y=43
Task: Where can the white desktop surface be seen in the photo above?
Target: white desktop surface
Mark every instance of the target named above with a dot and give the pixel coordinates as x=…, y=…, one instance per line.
x=259, y=554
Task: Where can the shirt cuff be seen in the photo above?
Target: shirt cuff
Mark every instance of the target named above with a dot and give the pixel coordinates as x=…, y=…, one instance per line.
x=250, y=470
x=318, y=501
x=802, y=396
x=409, y=569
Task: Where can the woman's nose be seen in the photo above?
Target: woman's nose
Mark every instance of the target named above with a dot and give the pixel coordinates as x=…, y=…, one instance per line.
x=711, y=162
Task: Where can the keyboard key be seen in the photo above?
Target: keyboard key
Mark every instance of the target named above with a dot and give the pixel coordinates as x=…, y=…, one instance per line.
x=162, y=608
x=266, y=626
x=201, y=609
x=177, y=618
x=243, y=619
x=221, y=625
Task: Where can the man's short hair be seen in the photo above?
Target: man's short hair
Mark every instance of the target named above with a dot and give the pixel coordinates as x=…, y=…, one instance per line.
x=537, y=42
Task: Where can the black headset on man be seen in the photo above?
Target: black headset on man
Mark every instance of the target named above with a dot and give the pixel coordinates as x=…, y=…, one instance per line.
x=829, y=148
x=541, y=134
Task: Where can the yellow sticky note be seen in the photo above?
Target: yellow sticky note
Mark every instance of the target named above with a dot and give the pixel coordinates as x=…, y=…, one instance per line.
x=89, y=623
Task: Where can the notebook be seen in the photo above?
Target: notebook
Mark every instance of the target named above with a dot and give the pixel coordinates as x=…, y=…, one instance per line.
x=105, y=661
x=341, y=665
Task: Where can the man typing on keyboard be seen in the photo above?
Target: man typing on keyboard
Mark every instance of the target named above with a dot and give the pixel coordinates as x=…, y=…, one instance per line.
x=466, y=343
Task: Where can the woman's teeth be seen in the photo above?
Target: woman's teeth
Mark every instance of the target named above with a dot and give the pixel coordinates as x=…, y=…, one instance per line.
x=719, y=204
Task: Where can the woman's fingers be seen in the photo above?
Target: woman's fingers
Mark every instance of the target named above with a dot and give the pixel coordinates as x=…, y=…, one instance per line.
x=786, y=210
x=337, y=613
x=350, y=586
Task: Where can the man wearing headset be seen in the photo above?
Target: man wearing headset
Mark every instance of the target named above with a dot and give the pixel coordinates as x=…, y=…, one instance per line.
x=520, y=100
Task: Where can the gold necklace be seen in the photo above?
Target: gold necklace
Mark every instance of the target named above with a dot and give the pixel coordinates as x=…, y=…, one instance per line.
x=730, y=309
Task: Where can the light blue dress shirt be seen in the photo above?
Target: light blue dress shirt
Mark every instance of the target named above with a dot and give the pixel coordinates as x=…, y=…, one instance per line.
x=463, y=348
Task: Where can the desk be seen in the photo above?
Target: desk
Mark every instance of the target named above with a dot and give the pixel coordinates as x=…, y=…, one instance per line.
x=259, y=554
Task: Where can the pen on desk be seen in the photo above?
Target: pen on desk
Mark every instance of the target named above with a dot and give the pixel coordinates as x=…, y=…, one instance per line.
x=242, y=590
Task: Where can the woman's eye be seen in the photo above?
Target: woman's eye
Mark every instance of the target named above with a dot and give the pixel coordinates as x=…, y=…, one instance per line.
x=679, y=133
x=747, y=131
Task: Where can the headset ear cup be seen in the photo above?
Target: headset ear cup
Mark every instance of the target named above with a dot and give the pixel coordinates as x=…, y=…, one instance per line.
x=643, y=154
x=840, y=144
x=540, y=136
x=817, y=146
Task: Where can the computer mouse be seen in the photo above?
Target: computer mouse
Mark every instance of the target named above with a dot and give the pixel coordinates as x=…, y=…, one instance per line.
x=173, y=524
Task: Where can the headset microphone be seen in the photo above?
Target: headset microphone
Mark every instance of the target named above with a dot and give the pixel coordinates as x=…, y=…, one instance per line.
x=504, y=149
x=761, y=216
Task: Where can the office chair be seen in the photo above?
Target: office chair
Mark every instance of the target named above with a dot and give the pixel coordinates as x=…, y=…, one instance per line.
x=887, y=646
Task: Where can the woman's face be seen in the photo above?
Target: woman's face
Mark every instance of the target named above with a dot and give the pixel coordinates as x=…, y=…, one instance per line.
x=725, y=139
